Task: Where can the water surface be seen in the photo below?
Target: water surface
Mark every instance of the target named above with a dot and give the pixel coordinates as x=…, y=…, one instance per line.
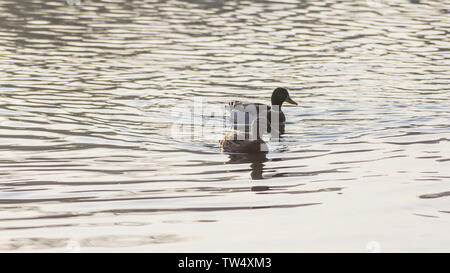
x=91, y=96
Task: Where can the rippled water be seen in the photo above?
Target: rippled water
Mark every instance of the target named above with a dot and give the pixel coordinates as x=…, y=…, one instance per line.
x=90, y=93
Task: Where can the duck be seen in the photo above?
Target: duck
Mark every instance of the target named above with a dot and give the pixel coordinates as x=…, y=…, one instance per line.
x=247, y=112
x=248, y=142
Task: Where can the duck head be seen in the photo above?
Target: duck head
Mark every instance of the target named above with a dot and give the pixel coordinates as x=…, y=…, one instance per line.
x=281, y=95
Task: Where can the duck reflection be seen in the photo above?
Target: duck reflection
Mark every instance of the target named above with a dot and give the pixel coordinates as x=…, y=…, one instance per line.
x=256, y=161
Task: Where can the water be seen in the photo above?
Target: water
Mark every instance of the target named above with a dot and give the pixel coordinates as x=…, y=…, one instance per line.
x=90, y=95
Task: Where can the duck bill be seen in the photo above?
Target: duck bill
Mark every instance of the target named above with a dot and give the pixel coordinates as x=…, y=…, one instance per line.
x=289, y=100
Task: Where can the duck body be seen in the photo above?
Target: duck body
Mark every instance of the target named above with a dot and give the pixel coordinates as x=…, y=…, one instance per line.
x=246, y=113
x=232, y=143
x=252, y=111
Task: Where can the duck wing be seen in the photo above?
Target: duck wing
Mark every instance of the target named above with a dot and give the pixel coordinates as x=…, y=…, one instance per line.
x=246, y=113
x=242, y=106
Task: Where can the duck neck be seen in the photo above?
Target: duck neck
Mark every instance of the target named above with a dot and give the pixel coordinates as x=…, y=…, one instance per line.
x=277, y=105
